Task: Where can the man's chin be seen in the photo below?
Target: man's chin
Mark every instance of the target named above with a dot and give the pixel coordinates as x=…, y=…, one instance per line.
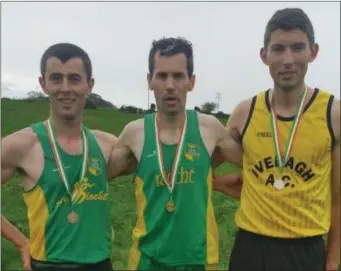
x=69, y=115
x=288, y=86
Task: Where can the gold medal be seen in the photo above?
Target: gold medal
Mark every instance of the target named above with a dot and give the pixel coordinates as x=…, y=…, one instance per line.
x=73, y=217
x=170, y=206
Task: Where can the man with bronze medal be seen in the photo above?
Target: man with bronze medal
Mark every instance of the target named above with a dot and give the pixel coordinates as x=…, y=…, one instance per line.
x=72, y=217
x=67, y=231
x=176, y=226
x=291, y=160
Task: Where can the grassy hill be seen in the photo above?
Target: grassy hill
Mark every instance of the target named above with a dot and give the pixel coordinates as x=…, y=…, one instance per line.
x=18, y=114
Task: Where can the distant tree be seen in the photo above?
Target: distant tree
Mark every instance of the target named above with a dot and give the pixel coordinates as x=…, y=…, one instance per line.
x=35, y=95
x=130, y=109
x=208, y=107
x=221, y=115
x=122, y=108
x=196, y=108
x=90, y=104
x=100, y=102
x=95, y=96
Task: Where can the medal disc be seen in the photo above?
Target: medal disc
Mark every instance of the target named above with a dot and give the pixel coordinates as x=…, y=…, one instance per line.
x=279, y=184
x=73, y=217
x=170, y=206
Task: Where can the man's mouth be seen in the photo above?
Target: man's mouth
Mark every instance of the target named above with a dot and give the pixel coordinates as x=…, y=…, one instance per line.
x=67, y=101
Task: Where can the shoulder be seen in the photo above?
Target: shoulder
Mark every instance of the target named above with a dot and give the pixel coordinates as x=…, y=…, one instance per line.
x=335, y=119
x=336, y=108
x=212, y=125
x=244, y=108
x=22, y=138
x=104, y=136
x=19, y=142
x=133, y=127
x=245, y=105
x=208, y=121
x=105, y=139
x=132, y=130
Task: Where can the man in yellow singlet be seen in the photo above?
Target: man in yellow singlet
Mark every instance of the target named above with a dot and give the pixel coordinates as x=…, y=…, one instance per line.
x=291, y=163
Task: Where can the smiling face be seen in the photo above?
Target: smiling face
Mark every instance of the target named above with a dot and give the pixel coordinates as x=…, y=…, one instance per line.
x=170, y=82
x=67, y=86
x=287, y=55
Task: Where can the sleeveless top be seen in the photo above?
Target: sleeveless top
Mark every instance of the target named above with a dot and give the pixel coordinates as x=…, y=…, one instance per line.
x=303, y=207
x=52, y=237
x=189, y=235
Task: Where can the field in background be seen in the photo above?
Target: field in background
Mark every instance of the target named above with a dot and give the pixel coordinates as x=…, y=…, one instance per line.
x=18, y=114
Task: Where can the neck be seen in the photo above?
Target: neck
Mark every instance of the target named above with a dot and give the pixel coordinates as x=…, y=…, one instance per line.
x=171, y=121
x=288, y=99
x=66, y=128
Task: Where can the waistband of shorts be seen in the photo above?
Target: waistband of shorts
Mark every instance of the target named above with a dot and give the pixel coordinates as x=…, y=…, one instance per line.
x=43, y=264
x=256, y=236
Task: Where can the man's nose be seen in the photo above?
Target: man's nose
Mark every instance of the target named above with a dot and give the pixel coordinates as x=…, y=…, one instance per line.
x=288, y=58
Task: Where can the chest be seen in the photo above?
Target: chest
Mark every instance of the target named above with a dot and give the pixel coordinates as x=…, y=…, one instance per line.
x=204, y=138
x=88, y=173
x=311, y=141
x=188, y=163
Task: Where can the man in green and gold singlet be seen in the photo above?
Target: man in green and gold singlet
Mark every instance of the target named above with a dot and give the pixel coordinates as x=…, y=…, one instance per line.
x=291, y=163
x=176, y=227
x=63, y=168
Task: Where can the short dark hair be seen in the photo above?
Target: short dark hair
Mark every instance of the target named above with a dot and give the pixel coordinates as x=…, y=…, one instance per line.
x=289, y=19
x=64, y=52
x=170, y=47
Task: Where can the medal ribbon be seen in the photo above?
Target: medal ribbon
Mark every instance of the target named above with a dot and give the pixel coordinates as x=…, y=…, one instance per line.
x=282, y=159
x=170, y=183
x=59, y=163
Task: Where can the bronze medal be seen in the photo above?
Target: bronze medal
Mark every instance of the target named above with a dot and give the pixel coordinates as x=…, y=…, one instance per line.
x=170, y=206
x=73, y=217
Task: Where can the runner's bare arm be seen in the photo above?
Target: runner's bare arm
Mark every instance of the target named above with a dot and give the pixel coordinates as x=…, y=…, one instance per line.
x=108, y=142
x=231, y=184
x=229, y=149
x=12, y=234
x=229, y=146
x=333, y=248
x=234, y=126
x=14, y=150
x=122, y=158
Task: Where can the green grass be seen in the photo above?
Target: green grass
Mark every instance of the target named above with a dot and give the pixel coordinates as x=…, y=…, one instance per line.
x=19, y=114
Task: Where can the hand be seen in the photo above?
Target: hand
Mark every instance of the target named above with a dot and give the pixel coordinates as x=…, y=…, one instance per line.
x=230, y=185
x=12, y=234
x=25, y=255
x=332, y=266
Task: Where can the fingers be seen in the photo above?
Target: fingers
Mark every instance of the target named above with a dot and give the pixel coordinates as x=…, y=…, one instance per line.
x=26, y=261
x=27, y=266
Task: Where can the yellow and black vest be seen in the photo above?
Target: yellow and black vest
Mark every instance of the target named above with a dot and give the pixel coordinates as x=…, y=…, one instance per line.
x=302, y=207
